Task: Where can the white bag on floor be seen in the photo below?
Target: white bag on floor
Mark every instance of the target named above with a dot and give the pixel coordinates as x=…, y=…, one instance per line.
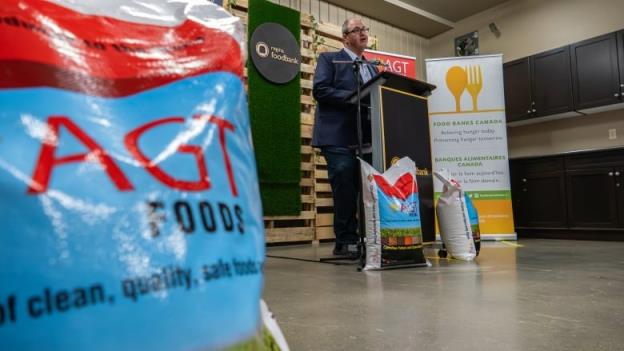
x=453, y=219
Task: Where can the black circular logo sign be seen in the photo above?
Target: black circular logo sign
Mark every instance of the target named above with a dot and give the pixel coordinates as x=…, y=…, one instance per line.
x=275, y=53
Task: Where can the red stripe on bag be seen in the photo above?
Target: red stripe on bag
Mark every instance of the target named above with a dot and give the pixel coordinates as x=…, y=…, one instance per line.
x=44, y=44
x=401, y=189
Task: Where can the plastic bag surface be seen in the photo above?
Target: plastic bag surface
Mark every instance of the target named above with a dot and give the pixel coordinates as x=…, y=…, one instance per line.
x=129, y=199
x=454, y=218
x=391, y=206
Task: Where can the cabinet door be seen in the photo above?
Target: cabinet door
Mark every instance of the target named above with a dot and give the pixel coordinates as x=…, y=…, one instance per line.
x=592, y=201
x=518, y=192
x=620, y=39
x=552, y=82
x=596, y=77
x=517, y=75
x=544, y=202
x=619, y=191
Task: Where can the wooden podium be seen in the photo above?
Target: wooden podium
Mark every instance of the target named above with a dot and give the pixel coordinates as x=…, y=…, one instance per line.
x=400, y=127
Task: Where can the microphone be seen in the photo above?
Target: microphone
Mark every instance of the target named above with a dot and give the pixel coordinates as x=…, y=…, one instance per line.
x=377, y=62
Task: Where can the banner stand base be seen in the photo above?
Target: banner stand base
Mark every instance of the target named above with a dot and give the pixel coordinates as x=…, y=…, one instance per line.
x=400, y=266
x=490, y=237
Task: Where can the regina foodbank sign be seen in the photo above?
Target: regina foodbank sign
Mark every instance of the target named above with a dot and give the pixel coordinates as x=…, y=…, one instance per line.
x=275, y=53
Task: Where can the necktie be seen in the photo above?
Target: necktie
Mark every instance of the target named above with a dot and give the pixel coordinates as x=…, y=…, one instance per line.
x=365, y=73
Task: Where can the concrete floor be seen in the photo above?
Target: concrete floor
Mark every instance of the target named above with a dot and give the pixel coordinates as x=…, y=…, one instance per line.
x=530, y=295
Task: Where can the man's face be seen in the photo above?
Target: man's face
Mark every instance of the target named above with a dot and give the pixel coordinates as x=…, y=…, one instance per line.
x=358, y=39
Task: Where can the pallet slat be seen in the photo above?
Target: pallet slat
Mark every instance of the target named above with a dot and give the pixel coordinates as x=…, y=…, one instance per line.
x=307, y=118
x=275, y=235
x=303, y=215
x=324, y=202
x=307, y=100
x=306, y=131
x=324, y=219
x=305, y=68
x=324, y=233
x=322, y=188
x=307, y=167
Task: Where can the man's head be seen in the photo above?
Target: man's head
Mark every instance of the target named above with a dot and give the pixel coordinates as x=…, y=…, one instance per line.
x=355, y=35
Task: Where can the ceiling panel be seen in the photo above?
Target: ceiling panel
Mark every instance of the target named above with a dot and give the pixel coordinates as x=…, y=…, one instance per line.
x=426, y=18
x=454, y=10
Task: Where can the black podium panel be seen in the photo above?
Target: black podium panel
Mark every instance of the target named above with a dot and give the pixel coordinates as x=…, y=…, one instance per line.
x=408, y=136
x=399, y=128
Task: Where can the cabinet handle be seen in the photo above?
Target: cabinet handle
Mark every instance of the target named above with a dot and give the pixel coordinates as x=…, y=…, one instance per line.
x=610, y=174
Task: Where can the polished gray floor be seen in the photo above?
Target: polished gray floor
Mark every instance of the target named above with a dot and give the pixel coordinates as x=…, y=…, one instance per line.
x=526, y=295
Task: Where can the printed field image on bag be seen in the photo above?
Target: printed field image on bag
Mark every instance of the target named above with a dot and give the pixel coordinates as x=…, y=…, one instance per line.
x=473, y=215
x=391, y=212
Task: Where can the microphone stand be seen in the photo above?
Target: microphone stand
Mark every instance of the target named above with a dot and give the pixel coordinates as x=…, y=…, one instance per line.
x=360, y=208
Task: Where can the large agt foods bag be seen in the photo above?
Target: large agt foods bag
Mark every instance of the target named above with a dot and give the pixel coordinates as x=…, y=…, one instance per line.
x=391, y=212
x=457, y=219
x=129, y=202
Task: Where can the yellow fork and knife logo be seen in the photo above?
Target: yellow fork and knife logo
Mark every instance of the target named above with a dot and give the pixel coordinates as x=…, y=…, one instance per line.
x=459, y=79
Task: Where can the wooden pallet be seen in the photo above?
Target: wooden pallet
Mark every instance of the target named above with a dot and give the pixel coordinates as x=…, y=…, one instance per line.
x=324, y=203
x=299, y=227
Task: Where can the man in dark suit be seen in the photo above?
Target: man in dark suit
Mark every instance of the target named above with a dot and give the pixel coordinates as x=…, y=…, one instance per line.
x=335, y=128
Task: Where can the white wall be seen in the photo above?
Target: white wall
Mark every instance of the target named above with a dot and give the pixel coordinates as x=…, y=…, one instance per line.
x=531, y=26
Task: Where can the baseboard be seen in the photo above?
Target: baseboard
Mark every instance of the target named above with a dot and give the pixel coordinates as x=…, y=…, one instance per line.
x=570, y=234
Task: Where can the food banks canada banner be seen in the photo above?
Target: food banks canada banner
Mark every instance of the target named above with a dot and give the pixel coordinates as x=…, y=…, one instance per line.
x=469, y=136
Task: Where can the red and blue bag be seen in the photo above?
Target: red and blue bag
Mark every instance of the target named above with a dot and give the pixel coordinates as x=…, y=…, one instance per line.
x=129, y=199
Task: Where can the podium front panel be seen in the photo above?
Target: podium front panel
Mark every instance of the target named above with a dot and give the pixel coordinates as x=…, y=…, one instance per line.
x=400, y=124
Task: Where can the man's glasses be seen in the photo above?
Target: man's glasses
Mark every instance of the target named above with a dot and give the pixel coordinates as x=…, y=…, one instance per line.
x=358, y=30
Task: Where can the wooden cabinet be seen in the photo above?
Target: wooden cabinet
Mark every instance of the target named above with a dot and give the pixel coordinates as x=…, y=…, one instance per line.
x=620, y=44
x=584, y=77
x=596, y=71
x=539, y=194
x=546, y=198
x=518, y=98
x=552, y=82
x=592, y=198
x=518, y=198
x=573, y=193
x=619, y=189
x=594, y=183
x=540, y=85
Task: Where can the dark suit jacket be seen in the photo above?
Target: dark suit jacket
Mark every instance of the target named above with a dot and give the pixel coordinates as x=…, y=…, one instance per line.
x=335, y=121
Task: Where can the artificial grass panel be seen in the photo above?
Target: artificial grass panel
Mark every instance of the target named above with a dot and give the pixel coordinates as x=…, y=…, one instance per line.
x=274, y=111
x=277, y=199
